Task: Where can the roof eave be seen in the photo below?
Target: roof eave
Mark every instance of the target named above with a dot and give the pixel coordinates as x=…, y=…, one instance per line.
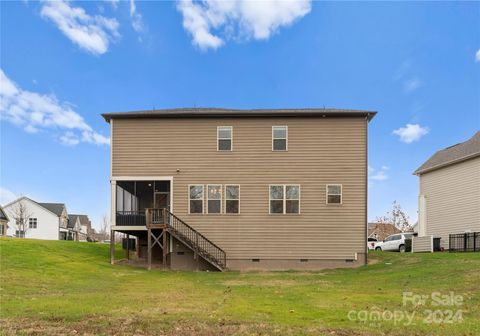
x=240, y=113
x=419, y=172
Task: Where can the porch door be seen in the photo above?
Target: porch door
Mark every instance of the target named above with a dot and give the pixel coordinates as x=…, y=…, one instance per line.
x=162, y=200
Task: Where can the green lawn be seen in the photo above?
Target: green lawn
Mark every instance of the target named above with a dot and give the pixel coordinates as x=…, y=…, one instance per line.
x=64, y=287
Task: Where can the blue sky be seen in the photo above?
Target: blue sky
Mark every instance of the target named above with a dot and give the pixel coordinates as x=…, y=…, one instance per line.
x=63, y=64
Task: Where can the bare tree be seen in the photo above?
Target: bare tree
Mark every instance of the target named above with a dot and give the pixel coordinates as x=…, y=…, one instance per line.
x=21, y=215
x=396, y=217
x=105, y=228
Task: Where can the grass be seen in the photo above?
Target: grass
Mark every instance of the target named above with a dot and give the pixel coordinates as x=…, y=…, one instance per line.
x=64, y=287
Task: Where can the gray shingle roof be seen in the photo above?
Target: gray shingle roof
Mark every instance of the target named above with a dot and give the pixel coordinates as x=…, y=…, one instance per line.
x=452, y=154
x=56, y=208
x=222, y=112
x=3, y=215
x=83, y=219
x=72, y=219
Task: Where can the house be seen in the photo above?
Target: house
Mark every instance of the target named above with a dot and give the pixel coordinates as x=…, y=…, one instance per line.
x=380, y=231
x=85, y=228
x=209, y=188
x=31, y=219
x=3, y=222
x=449, y=195
x=74, y=227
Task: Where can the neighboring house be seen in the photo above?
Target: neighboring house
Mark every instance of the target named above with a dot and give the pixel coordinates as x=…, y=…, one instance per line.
x=3, y=222
x=242, y=189
x=43, y=220
x=449, y=197
x=74, y=226
x=380, y=231
x=85, y=230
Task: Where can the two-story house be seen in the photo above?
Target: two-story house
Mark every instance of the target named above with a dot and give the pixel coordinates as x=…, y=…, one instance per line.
x=31, y=219
x=209, y=188
x=449, y=198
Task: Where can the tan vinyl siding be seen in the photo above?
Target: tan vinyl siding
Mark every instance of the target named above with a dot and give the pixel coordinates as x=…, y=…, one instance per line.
x=452, y=197
x=422, y=244
x=321, y=151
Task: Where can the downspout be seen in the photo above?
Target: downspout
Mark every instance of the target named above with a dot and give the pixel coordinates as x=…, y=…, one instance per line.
x=366, y=189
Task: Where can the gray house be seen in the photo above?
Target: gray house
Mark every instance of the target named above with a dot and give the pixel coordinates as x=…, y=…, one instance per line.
x=449, y=197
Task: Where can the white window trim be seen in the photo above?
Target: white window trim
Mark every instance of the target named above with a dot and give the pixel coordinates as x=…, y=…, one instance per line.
x=284, y=199
x=341, y=194
x=33, y=220
x=239, y=198
x=208, y=199
x=231, y=139
x=286, y=139
x=203, y=198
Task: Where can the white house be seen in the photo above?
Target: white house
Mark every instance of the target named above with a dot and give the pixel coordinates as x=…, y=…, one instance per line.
x=43, y=220
x=449, y=196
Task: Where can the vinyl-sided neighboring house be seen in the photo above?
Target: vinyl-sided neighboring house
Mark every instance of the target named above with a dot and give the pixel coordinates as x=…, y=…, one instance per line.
x=3, y=222
x=85, y=230
x=242, y=189
x=449, y=196
x=43, y=220
x=73, y=227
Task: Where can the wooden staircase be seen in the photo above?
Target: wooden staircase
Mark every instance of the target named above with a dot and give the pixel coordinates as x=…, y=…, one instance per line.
x=167, y=222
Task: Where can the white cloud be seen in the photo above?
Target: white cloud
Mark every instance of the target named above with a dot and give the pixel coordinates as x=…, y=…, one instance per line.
x=91, y=33
x=378, y=175
x=137, y=20
x=412, y=85
x=208, y=19
x=411, y=132
x=7, y=196
x=36, y=112
x=114, y=3
x=477, y=56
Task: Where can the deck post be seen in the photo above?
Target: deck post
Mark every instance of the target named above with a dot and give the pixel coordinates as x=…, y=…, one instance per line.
x=149, y=248
x=112, y=247
x=164, y=248
x=128, y=247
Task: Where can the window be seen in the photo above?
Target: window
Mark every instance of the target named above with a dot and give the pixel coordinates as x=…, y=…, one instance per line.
x=2, y=229
x=224, y=138
x=279, y=138
x=214, y=199
x=32, y=223
x=195, y=198
x=284, y=199
x=334, y=194
x=232, y=199
x=19, y=234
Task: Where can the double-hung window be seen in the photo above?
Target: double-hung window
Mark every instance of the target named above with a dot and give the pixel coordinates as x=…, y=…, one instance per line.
x=284, y=199
x=232, y=199
x=32, y=223
x=224, y=138
x=195, y=199
x=334, y=194
x=279, y=138
x=214, y=198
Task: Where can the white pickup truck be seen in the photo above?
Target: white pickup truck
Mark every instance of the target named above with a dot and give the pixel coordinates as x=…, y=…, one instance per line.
x=395, y=242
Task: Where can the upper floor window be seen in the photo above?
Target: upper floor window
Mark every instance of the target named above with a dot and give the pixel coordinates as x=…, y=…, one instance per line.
x=195, y=199
x=279, y=138
x=285, y=199
x=224, y=138
x=334, y=194
x=232, y=199
x=214, y=199
x=32, y=223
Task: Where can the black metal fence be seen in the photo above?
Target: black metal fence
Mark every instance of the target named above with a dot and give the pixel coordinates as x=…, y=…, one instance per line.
x=464, y=242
